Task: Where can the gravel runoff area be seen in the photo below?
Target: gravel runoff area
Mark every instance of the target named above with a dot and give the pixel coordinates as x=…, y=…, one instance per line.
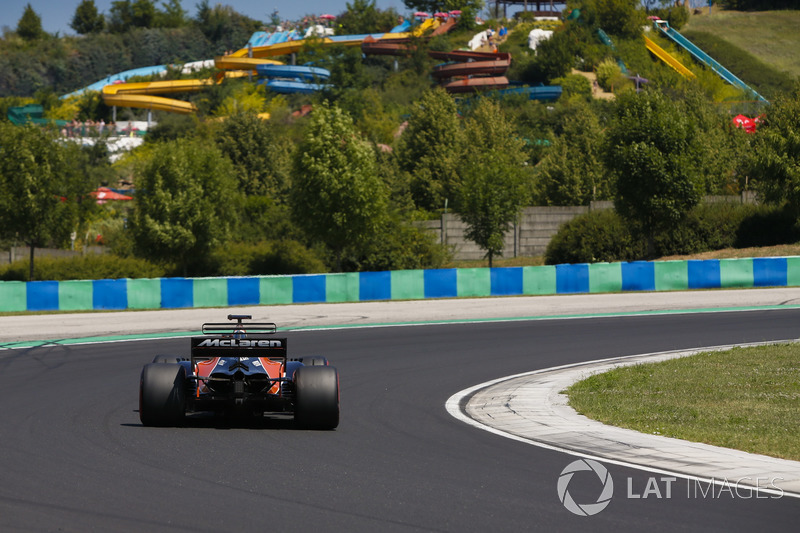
x=54, y=326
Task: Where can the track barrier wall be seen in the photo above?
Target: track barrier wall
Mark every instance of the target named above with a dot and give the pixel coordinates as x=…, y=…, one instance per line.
x=175, y=293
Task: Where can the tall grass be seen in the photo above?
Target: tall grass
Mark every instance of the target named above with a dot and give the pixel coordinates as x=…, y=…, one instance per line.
x=770, y=36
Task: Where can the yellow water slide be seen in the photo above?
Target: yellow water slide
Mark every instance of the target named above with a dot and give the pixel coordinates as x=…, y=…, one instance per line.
x=141, y=94
x=667, y=58
x=144, y=94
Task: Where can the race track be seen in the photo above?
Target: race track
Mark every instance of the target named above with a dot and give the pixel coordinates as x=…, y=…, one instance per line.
x=74, y=457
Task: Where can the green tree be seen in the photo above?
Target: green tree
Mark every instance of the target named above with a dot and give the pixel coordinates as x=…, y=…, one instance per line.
x=469, y=8
x=430, y=149
x=29, y=26
x=41, y=188
x=571, y=171
x=494, y=178
x=652, y=151
x=127, y=14
x=87, y=19
x=120, y=16
x=337, y=197
x=223, y=26
x=361, y=16
x=172, y=16
x=186, y=203
x=259, y=152
x=775, y=163
x=621, y=17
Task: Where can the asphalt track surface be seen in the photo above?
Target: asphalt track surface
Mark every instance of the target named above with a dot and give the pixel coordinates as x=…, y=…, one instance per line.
x=74, y=457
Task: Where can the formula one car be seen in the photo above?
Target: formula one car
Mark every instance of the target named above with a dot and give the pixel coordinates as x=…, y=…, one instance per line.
x=239, y=368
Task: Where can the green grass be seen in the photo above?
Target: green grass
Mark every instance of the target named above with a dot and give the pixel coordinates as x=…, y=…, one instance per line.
x=744, y=398
x=770, y=36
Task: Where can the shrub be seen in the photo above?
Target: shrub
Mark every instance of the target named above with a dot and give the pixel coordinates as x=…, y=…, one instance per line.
x=103, y=266
x=602, y=235
x=263, y=258
x=593, y=237
x=402, y=246
x=575, y=85
x=767, y=226
x=607, y=73
x=676, y=15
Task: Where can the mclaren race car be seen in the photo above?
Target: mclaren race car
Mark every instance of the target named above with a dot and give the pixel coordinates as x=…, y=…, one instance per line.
x=239, y=368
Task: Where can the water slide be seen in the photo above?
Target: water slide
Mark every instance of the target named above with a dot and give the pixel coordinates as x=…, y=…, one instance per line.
x=664, y=27
x=32, y=114
x=291, y=47
x=147, y=95
x=608, y=42
x=667, y=58
x=491, y=67
x=290, y=79
x=546, y=93
x=141, y=94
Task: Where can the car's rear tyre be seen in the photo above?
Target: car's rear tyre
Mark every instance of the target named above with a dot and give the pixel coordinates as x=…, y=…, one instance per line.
x=314, y=360
x=317, y=397
x=162, y=394
x=166, y=359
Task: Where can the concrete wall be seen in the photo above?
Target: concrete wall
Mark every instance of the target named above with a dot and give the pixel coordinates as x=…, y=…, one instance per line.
x=528, y=238
x=531, y=235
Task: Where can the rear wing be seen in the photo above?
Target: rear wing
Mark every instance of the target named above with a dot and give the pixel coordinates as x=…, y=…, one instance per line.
x=253, y=339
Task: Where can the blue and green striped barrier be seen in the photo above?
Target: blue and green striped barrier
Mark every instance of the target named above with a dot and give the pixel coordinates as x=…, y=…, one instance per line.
x=172, y=293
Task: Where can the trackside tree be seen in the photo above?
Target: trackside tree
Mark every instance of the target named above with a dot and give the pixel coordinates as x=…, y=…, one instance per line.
x=775, y=163
x=654, y=152
x=41, y=187
x=430, y=149
x=494, y=178
x=337, y=197
x=186, y=203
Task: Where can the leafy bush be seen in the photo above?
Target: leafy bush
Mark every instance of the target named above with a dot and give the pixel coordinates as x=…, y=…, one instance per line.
x=676, y=15
x=263, y=258
x=575, y=85
x=596, y=236
x=607, y=73
x=602, y=235
x=102, y=266
x=767, y=226
x=706, y=227
x=400, y=246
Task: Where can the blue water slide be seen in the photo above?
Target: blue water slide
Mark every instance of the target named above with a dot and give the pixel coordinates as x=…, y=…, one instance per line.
x=277, y=37
x=608, y=42
x=293, y=71
x=292, y=86
x=542, y=92
x=401, y=28
x=259, y=38
x=120, y=77
x=664, y=27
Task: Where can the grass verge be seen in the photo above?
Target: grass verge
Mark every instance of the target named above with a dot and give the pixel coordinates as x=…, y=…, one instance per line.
x=771, y=36
x=744, y=398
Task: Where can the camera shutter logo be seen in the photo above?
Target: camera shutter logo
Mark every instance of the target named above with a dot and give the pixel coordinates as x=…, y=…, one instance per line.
x=586, y=509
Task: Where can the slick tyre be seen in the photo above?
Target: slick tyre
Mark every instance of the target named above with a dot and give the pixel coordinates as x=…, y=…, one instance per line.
x=166, y=359
x=317, y=390
x=162, y=394
x=314, y=360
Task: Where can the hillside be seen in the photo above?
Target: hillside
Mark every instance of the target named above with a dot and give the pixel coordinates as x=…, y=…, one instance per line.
x=770, y=36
